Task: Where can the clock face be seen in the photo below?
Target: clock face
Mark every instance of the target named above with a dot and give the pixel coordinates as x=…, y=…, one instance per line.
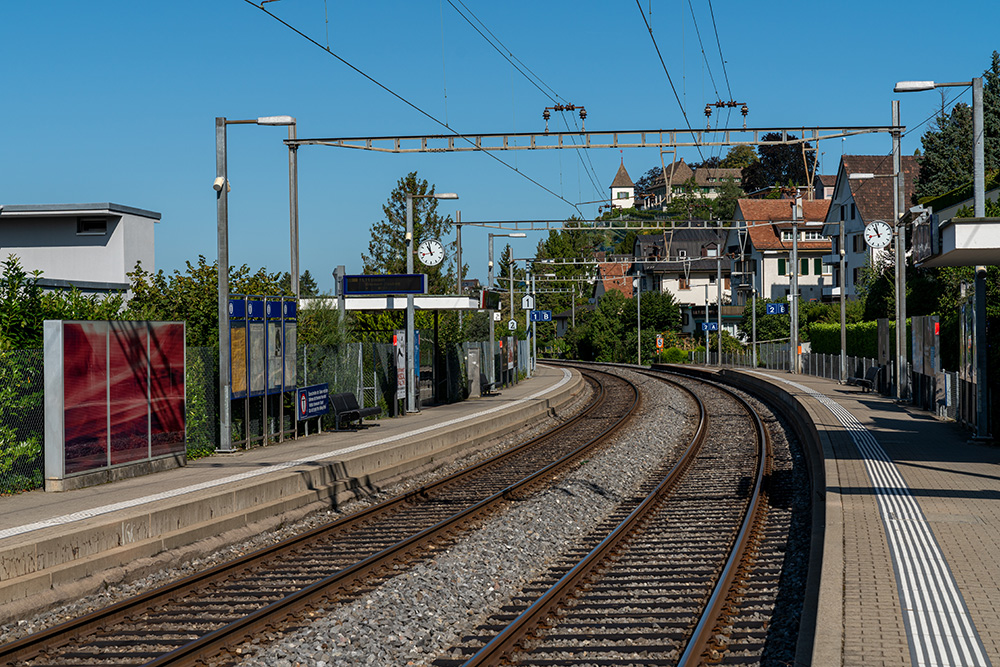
x=430, y=252
x=878, y=234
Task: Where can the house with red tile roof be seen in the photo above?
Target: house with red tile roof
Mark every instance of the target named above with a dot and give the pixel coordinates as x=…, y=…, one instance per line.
x=856, y=203
x=622, y=189
x=760, y=243
x=613, y=276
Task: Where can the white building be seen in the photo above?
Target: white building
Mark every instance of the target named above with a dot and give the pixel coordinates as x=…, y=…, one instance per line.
x=763, y=236
x=89, y=246
x=855, y=203
x=622, y=189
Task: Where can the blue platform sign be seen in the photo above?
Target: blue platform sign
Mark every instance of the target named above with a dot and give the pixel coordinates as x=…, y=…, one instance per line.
x=312, y=401
x=540, y=316
x=709, y=326
x=777, y=309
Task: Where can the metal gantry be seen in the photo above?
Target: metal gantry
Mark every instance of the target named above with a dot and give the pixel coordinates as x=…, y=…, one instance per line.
x=519, y=141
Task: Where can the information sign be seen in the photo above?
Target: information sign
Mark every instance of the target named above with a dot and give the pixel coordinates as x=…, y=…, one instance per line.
x=540, y=316
x=709, y=326
x=527, y=302
x=362, y=285
x=512, y=325
x=497, y=316
x=399, y=340
x=659, y=341
x=777, y=309
x=312, y=401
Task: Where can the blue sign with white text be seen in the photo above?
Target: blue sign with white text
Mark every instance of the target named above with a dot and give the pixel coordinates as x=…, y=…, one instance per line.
x=709, y=326
x=312, y=401
x=540, y=316
x=777, y=309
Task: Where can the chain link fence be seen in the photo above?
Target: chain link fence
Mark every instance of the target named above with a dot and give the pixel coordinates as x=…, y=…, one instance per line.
x=22, y=420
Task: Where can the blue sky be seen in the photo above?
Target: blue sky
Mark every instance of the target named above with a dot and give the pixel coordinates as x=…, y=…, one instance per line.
x=116, y=101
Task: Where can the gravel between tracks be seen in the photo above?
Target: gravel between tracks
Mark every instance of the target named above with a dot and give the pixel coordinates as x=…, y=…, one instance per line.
x=413, y=617
x=124, y=586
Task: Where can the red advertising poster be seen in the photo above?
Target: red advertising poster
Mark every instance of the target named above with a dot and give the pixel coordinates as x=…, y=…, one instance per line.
x=85, y=382
x=166, y=387
x=128, y=379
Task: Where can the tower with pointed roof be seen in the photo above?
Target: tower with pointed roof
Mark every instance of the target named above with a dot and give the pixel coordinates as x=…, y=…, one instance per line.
x=622, y=189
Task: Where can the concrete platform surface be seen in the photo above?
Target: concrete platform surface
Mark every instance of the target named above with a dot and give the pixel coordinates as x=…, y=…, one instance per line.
x=55, y=545
x=911, y=558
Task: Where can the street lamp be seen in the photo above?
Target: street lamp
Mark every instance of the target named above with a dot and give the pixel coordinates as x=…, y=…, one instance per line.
x=513, y=235
x=221, y=187
x=411, y=380
x=979, y=210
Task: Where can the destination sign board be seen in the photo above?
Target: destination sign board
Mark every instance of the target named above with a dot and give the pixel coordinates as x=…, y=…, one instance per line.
x=367, y=285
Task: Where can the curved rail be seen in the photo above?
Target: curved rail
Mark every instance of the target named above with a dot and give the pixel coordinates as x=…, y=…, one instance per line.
x=534, y=617
x=287, y=606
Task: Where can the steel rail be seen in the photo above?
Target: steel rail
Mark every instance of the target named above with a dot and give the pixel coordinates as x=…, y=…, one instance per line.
x=509, y=639
x=701, y=638
x=35, y=644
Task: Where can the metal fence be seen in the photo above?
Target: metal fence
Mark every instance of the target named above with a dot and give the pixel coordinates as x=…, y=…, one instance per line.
x=367, y=369
x=22, y=420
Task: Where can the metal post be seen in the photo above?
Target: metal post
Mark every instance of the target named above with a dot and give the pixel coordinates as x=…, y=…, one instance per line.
x=293, y=212
x=718, y=314
x=534, y=333
x=979, y=209
x=492, y=361
x=708, y=360
x=843, y=304
x=794, y=333
x=225, y=416
x=458, y=260
x=638, y=316
x=411, y=402
x=900, y=260
x=753, y=310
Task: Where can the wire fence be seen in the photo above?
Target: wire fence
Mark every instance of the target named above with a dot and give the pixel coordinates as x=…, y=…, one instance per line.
x=366, y=369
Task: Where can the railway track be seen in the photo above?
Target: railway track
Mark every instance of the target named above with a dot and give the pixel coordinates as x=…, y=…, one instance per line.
x=198, y=617
x=664, y=580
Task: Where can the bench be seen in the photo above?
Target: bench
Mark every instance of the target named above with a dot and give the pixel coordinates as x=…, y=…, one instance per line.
x=867, y=383
x=346, y=409
x=486, y=387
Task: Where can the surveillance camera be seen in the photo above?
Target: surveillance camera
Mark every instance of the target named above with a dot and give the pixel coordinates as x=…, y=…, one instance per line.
x=219, y=182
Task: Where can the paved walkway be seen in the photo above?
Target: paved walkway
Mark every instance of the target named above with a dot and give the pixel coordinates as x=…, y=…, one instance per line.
x=914, y=512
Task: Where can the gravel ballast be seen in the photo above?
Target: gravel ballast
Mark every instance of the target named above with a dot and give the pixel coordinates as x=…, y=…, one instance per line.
x=412, y=618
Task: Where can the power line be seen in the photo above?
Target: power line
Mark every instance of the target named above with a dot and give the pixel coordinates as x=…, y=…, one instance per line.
x=669, y=80
x=524, y=71
x=719, y=43
x=409, y=103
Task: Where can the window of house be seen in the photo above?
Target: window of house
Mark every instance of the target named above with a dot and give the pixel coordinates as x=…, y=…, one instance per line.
x=843, y=209
x=813, y=235
x=683, y=282
x=821, y=269
x=804, y=266
x=854, y=211
x=623, y=195
x=781, y=266
x=786, y=235
x=856, y=275
x=682, y=253
x=711, y=279
x=91, y=226
x=711, y=251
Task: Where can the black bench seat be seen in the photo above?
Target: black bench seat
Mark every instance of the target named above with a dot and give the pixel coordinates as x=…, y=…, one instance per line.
x=346, y=409
x=486, y=388
x=867, y=383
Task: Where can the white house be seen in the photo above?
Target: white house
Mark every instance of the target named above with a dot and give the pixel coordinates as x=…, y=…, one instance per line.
x=89, y=246
x=763, y=234
x=855, y=203
x=622, y=189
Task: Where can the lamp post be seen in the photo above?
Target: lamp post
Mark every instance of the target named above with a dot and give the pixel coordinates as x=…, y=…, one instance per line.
x=794, y=333
x=221, y=186
x=900, y=250
x=979, y=210
x=516, y=235
x=638, y=314
x=411, y=380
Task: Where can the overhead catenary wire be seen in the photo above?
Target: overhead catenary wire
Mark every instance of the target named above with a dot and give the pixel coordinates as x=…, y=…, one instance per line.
x=524, y=71
x=410, y=104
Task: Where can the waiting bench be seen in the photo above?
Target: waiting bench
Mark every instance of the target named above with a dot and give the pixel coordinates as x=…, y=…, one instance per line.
x=485, y=386
x=346, y=409
x=867, y=383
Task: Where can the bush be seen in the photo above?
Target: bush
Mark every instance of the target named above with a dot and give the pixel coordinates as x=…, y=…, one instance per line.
x=673, y=355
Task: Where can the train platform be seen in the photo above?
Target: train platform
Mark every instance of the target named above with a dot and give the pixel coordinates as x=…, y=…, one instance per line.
x=56, y=546
x=910, y=570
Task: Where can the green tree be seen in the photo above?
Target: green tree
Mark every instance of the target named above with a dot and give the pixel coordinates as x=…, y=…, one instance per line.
x=193, y=296
x=387, y=248
x=779, y=164
x=740, y=157
x=307, y=285
x=947, y=153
